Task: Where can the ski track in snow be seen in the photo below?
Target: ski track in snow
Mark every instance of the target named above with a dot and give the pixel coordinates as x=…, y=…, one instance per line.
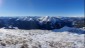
x=40, y=39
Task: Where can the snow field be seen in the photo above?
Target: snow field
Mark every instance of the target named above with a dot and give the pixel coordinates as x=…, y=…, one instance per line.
x=11, y=38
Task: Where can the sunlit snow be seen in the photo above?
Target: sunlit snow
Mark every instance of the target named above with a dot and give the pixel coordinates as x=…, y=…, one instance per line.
x=16, y=38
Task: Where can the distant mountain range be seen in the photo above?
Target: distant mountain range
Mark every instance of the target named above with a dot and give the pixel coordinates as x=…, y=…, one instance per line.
x=36, y=22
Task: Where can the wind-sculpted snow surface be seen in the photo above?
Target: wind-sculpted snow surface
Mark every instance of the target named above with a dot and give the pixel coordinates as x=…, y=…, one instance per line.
x=58, y=38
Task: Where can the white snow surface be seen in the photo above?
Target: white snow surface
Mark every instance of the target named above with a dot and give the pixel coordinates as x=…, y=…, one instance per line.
x=16, y=38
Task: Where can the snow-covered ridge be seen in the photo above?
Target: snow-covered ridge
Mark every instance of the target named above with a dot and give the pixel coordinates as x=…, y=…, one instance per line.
x=35, y=22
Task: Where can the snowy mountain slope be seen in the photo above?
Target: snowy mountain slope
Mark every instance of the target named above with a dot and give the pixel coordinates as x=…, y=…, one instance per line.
x=45, y=22
x=37, y=21
x=11, y=38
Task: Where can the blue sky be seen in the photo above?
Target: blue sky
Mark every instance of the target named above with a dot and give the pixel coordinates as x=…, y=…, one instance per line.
x=41, y=7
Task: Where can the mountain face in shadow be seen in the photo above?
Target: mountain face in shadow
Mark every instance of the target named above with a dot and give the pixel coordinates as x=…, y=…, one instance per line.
x=46, y=23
